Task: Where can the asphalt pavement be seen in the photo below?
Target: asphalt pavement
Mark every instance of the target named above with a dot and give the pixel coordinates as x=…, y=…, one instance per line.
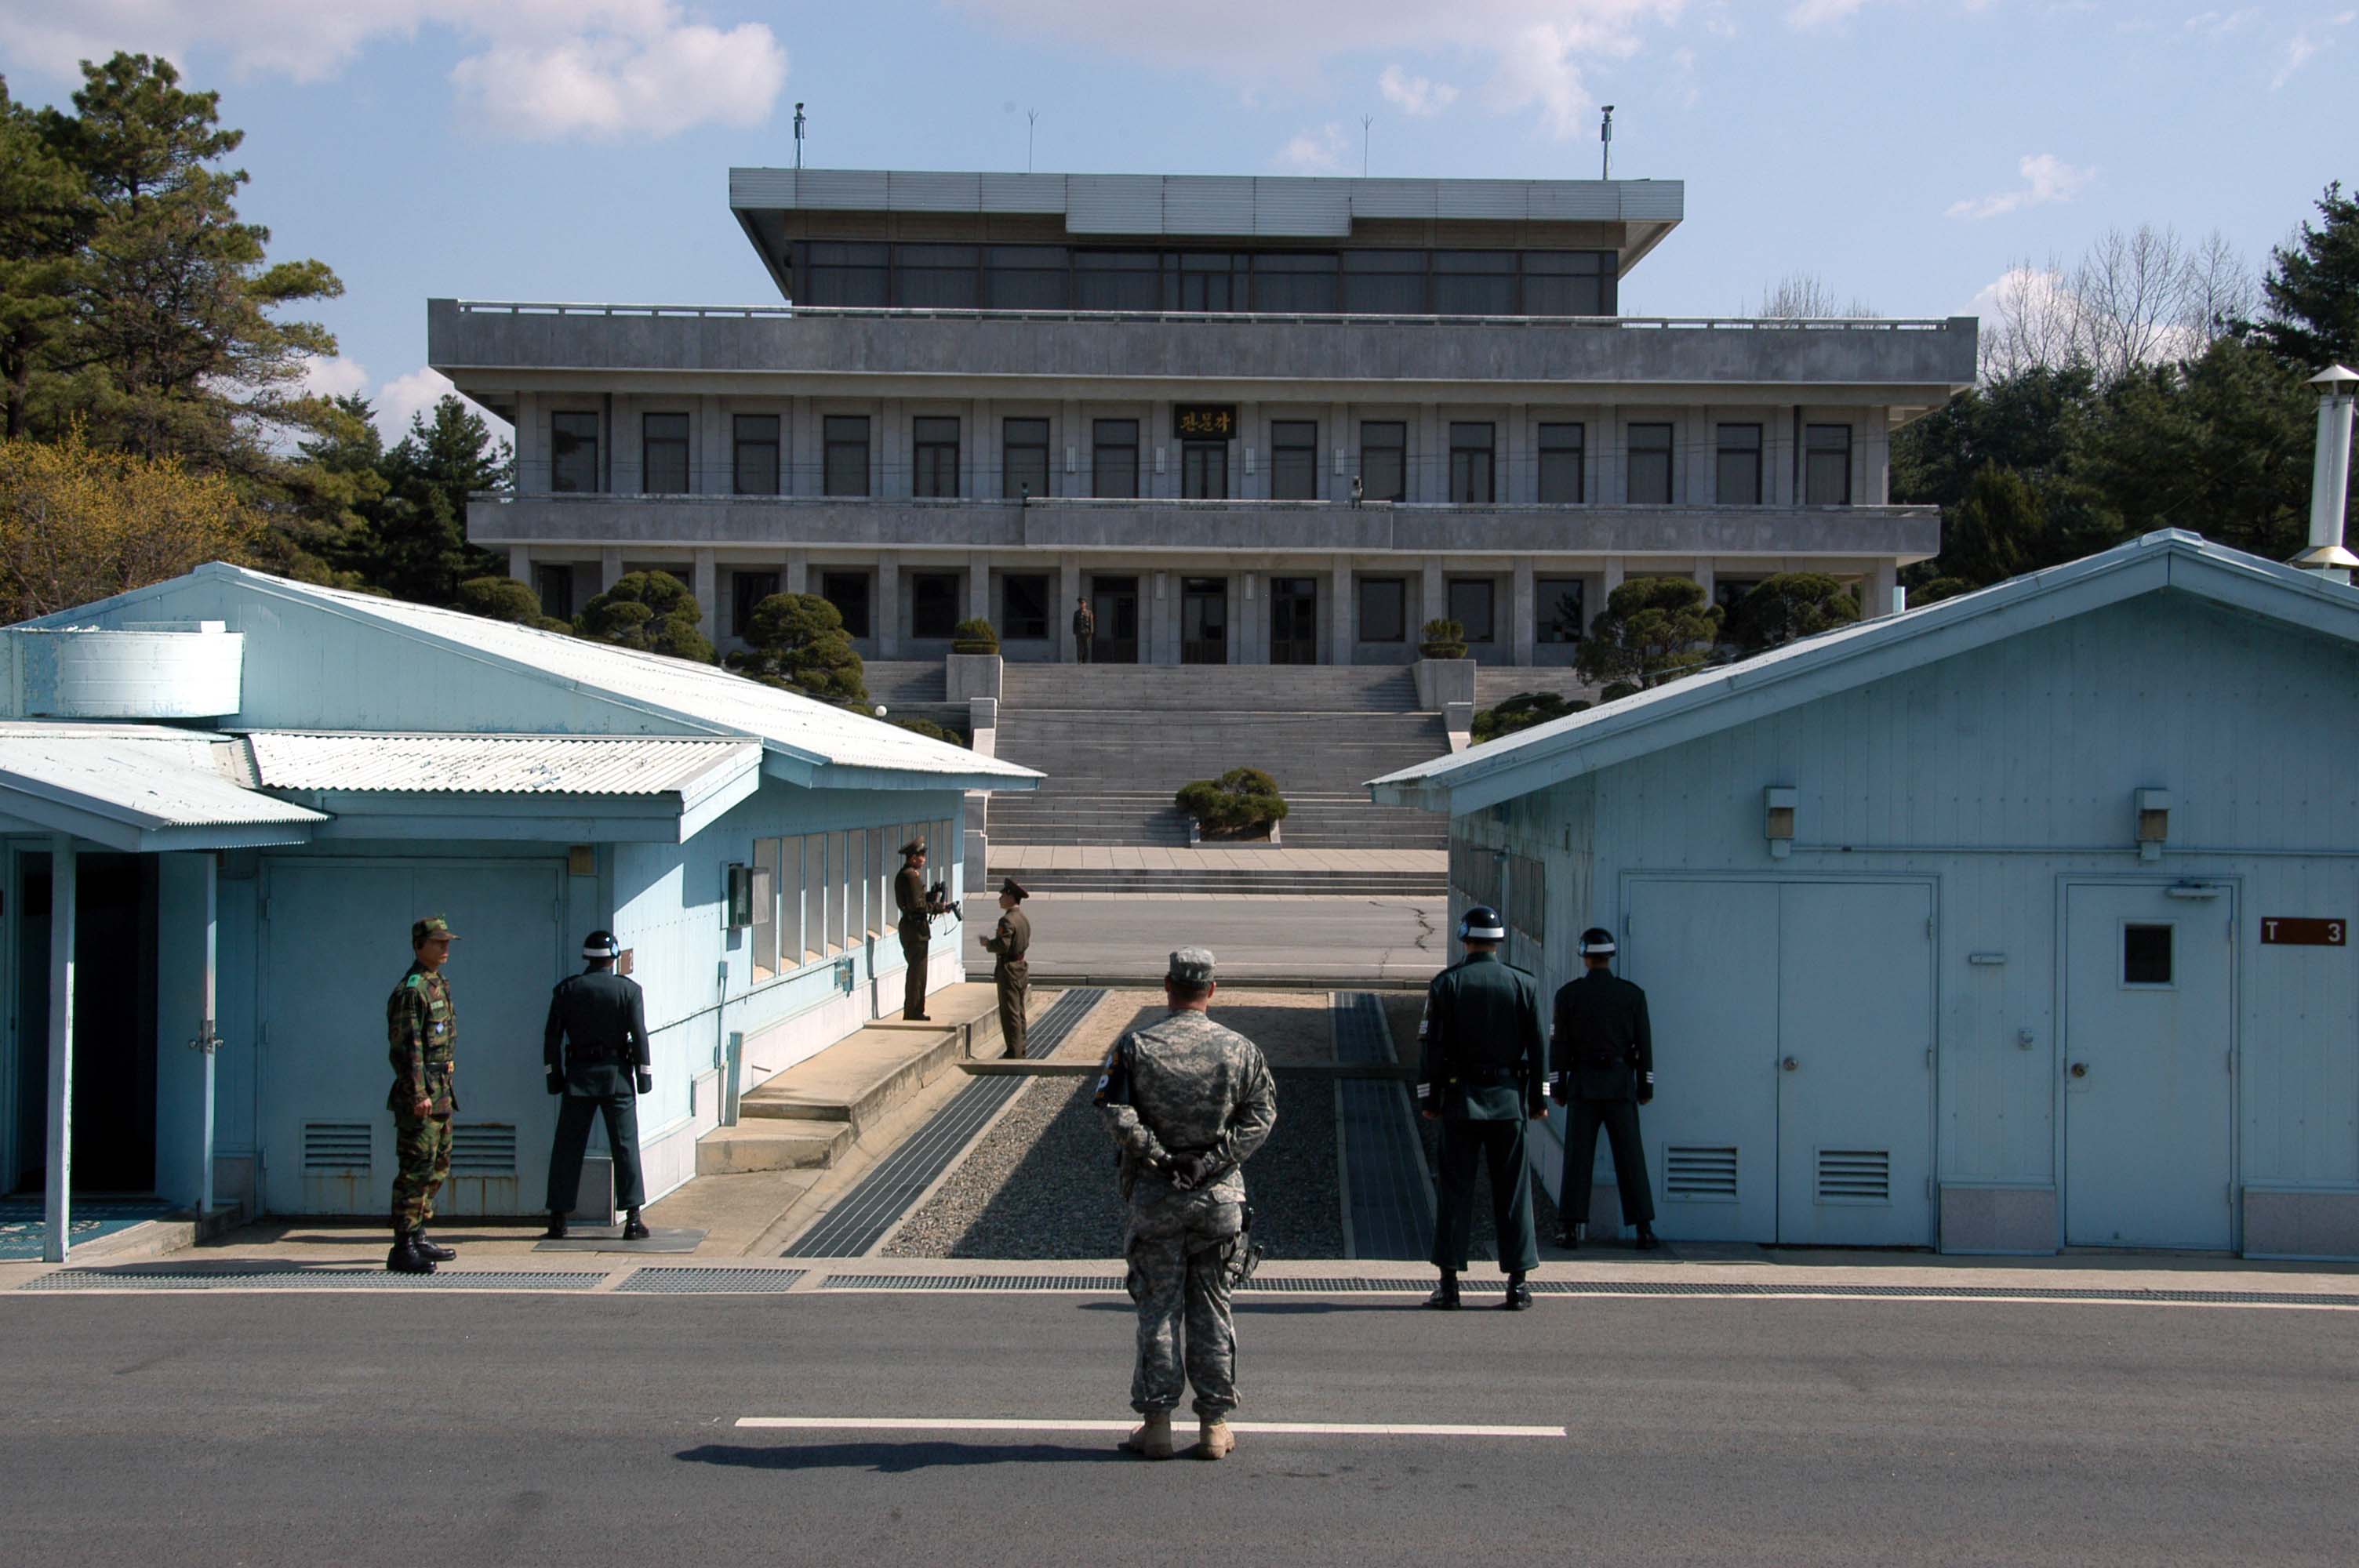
x=358, y=1428
x=1340, y=941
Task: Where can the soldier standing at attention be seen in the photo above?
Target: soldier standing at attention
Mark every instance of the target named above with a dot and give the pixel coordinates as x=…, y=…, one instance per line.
x=1186, y=1102
x=595, y=1050
x=1010, y=971
x=1480, y=1075
x=915, y=924
x=1085, y=627
x=1603, y=1055
x=422, y=1028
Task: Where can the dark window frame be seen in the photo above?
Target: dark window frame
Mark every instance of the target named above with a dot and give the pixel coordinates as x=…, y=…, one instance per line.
x=557, y=576
x=856, y=611
x=573, y=453
x=1546, y=626
x=929, y=468
x=2147, y=965
x=937, y=604
x=1668, y=454
x=741, y=443
x=1820, y=441
x=1294, y=459
x=835, y=438
x=1200, y=462
x=1473, y=466
x=1370, y=490
x=1399, y=589
x=1738, y=460
x=1012, y=477
x=745, y=599
x=1025, y=626
x=674, y=446
x=1101, y=447
x=1552, y=462
x=1487, y=633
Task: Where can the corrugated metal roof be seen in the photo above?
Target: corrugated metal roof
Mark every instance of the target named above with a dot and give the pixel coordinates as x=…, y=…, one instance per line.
x=497, y=764
x=145, y=777
x=699, y=695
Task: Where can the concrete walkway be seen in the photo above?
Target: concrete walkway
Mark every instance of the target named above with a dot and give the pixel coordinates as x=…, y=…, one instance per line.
x=1018, y=858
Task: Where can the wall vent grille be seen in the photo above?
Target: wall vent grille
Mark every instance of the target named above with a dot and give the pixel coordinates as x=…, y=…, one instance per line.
x=1856, y=1175
x=335, y=1148
x=484, y=1149
x=1700, y=1174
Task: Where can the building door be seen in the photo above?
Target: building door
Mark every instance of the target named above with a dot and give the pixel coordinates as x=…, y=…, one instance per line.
x=335, y=941
x=1793, y=1028
x=2148, y=1074
x=1294, y=621
x=1204, y=621
x=1113, y=601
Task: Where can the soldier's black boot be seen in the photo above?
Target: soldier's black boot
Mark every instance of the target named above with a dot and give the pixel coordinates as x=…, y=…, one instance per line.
x=1445, y=1296
x=427, y=1249
x=1645, y=1242
x=1519, y=1294
x=632, y=1230
x=405, y=1258
x=1569, y=1237
x=556, y=1231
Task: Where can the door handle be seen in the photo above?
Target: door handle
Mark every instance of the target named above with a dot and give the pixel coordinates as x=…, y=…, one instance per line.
x=1789, y=1063
x=2080, y=1069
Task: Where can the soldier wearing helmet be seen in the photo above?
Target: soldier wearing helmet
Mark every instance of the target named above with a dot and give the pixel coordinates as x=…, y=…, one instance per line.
x=1480, y=1074
x=594, y=1051
x=1602, y=1056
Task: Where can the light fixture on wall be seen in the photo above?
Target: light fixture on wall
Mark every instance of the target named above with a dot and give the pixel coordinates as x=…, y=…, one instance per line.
x=1158, y=460
x=2153, y=823
x=1073, y=461
x=1778, y=819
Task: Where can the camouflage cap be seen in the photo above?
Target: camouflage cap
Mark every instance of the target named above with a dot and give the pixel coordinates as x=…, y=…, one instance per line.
x=432, y=925
x=1190, y=966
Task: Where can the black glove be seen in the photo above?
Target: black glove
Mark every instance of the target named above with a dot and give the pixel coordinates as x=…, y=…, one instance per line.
x=556, y=1082
x=1188, y=1171
x=647, y=1082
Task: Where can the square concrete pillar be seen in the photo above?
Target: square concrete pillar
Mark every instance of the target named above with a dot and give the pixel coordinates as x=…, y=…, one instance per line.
x=1606, y=445
x=803, y=453
x=531, y=446
x=1249, y=481
x=797, y=571
x=1428, y=456
x=1880, y=595
x=521, y=563
x=1433, y=599
x=706, y=585
x=1523, y=612
x=1612, y=579
x=610, y=569
x=978, y=467
x=1343, y=618
x=1068, y=593
x=978, y=587
x=1515, y=446
x=888, y=606
x=712, y=476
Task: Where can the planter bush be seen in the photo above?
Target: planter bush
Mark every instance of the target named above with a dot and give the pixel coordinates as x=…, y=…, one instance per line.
x=1241, y=802
x=930, y=731
x=975, y=636
x=1442, y=640
x=1522, y=711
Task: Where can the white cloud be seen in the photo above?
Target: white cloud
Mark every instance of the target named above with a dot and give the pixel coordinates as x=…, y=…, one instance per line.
x=2220, y=24
x=331, y=375
x=1539, y=49
x=1321, y=151
x=1825, y=13
x=2047, y=178
x=1415, y=95
x=2306, y=45
x=407, y=395
x=542, y=70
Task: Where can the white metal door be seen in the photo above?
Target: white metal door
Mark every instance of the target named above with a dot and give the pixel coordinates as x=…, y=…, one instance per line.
x=2149, y=1067
x=1707, y=954
x=336, y=939
x=1855, y=1064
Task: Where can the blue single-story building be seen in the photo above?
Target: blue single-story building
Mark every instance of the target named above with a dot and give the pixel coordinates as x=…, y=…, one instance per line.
x=2015, y=923
x=257, y=785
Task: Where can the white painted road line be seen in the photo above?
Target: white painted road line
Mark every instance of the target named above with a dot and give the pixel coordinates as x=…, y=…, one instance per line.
x=1304, y=1428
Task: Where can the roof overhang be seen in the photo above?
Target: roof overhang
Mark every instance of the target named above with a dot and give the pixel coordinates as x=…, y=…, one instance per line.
x=47, y=805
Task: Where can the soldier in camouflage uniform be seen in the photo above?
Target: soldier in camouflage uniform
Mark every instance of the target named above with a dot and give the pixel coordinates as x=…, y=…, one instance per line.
x=1186, y=1102
x=422, y=1028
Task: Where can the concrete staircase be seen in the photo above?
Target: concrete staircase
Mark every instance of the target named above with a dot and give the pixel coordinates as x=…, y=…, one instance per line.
x=1493, y=683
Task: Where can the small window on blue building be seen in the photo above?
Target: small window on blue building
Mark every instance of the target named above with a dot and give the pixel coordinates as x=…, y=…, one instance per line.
x=2145, y=954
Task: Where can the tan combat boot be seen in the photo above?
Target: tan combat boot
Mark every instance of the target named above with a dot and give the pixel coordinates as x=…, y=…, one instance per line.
x=1152, y=1437
x=1214, y=1438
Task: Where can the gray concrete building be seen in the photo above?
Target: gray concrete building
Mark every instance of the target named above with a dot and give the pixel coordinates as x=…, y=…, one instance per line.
x=1249, y=420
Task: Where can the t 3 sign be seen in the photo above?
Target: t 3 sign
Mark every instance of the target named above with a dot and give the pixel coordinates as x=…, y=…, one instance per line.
x=2288, y=931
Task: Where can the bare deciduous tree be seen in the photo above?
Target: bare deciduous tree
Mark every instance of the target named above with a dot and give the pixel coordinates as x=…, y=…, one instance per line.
x=2136, y=298
x=1806, y=297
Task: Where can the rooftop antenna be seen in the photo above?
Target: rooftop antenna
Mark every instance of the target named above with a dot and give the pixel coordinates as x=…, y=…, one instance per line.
x=1365, y=121
x=799, y=139
x=1605, y=135
x=1031, y=120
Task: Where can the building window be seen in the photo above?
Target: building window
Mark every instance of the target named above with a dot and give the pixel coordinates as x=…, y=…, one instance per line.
x=1738, y=474
x=1024, y=457
x=1384, y=608
x=937, y=277
x=663, y=446
x=1023, y=606
x=1560, y=607
x=746, y=591
x=935, y=442
x=933, y=604
x=1474, y=464
x=573, y=454
x=1026, y=278
x=1475, y=283
x=848, y=591
x=2145, y=954
x=1561, y=457
x=1385, y=283
x=755, y=461
x=554, y=584
x=764, y=935
x=1204, y=471
x=1384, y=460
x=1564, y=282
x=845, y=274
x=1728, y=591
x=1650, y=465
x=1295, y=285
x=1114, y=457
x=1470, y=606
x=1211, y=281
x=846, y=455
x=1117, y=280
x=1826, y=465
x=1294, y=459
x=792, y=951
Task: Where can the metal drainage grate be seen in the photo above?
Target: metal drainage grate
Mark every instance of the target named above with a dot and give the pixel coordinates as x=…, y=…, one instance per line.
x=1362, y=1035
x=1063, y=1016
x=972, y=1282
x=299, y=1279
x=683, y=1282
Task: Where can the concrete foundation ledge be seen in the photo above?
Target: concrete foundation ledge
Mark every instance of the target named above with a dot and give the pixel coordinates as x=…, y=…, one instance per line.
x=2319, y=1223
x=1998, y=1219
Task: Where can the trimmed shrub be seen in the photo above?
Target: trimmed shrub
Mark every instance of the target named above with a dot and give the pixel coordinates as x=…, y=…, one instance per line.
x=652, y=612
x=1241, y=802
x=799, y=644
x=1522, y=711
x=505, y=598
x=1442, y=640
x=1788, y=607
x=975, y=636
x=929, y=729
x=1618, y=690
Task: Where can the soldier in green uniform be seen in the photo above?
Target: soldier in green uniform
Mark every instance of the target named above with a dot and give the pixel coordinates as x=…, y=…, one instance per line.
x=595, y=1050
x=1601, y=1054
x=421, y=1030
x=1010, y=971
x=1186, y=1102
x=1480, y=1074
x=915, y=924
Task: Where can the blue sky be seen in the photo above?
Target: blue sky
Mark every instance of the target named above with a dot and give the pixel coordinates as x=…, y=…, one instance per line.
x=1907, y=152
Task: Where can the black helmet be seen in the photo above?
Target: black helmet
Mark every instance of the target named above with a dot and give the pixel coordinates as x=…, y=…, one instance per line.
x=1482, y=923
x=1597, y=943
x=601, y=945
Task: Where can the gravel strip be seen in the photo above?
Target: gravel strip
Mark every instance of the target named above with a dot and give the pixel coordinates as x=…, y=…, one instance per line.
x=1289, y=1026
x=1040, y=1183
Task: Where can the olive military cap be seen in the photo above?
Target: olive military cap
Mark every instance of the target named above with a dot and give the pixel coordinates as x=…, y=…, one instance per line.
x=432, y=925
x=1010, y=888
x=914, y=847
x=1190, y=966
